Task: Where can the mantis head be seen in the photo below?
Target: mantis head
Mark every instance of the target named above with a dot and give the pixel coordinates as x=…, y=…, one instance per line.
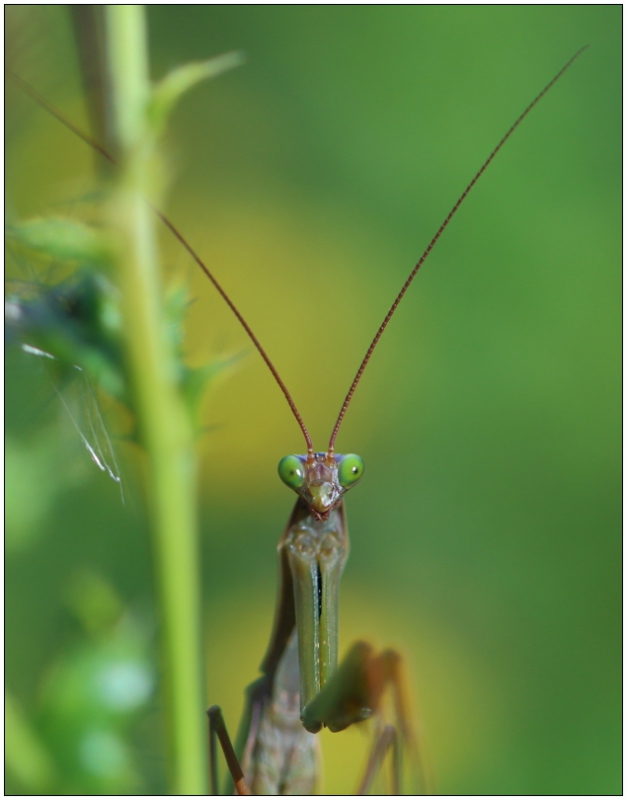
x=321, y=479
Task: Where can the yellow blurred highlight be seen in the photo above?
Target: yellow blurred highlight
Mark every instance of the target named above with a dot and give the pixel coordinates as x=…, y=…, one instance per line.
x=303, y=296
x=49, y=170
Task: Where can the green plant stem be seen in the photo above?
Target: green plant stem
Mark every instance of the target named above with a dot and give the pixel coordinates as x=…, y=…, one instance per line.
x=26, y=757
x=163, y=423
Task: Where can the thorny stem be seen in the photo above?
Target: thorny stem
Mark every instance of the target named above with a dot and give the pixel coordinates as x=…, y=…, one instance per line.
x=162, y=420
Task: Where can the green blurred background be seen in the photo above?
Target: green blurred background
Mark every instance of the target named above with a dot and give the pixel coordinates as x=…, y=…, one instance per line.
x=486, y=532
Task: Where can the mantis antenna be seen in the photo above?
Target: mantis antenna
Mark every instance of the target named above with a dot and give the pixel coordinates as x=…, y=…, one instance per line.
x=424, y=256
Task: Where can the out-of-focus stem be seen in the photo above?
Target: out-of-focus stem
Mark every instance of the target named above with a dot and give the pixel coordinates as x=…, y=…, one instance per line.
x=163, y=422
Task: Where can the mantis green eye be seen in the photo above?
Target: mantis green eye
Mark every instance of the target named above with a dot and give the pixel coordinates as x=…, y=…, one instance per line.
x=292, y=471
x=350, y=469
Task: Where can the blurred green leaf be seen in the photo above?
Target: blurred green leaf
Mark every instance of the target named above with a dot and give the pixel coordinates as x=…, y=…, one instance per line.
x=27, y=759
x=95, y=602
x=171, y=88
x=61, y=239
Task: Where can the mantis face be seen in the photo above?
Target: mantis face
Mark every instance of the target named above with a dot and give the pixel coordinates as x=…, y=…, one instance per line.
x=321, y=479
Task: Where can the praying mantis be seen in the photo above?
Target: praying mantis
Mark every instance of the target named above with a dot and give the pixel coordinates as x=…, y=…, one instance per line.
x=300, y=669
x=312, y=553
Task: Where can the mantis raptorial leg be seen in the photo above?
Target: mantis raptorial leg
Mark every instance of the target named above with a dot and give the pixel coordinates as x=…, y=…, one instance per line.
x=302, y=689
x=272, y=727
